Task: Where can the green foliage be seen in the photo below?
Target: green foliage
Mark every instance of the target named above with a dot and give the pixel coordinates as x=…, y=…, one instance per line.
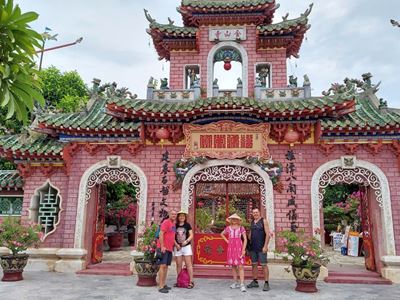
x=301, y=250
x=19, y=83
x=121, y=206
x=65, y=91
x=18, y=237
x=147, y=241
x=203, y=219
x=338, y=193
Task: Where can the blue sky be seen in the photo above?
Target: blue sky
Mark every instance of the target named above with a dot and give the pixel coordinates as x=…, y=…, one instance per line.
x=347, y=38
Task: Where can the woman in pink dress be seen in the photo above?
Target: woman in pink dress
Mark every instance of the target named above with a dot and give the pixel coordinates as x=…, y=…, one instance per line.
x=236, y=249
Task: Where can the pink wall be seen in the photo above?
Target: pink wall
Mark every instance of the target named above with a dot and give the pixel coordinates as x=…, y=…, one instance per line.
x=308, y=159
x=276, y=57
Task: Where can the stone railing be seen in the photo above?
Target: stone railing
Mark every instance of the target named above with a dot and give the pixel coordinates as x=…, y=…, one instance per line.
x=167, y=94
x=217, y=93
x=282, y=93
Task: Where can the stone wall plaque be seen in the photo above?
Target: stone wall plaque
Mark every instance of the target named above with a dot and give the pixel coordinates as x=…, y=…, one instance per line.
x=227, y=34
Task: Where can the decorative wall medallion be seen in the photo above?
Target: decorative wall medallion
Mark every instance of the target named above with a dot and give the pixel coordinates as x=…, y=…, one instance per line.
x=114, y=161
x=348, y=162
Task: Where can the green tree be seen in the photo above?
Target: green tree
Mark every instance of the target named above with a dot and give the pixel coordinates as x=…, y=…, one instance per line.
x=19, y=83
x=65, y=91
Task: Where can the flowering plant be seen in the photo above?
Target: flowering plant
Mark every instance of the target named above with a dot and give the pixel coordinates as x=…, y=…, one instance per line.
x=18, y=237
x=301, y=250
x=147, y=241
x=121, y=214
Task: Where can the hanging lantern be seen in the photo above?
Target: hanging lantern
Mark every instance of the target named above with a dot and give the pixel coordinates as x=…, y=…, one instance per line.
x=227, y=64
x=291, y=136
x=162, y=134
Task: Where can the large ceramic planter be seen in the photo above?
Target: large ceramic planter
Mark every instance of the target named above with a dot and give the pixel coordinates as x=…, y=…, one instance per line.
x=306, y=279
x=147, y=271
x=13, y=266
x=115, y=240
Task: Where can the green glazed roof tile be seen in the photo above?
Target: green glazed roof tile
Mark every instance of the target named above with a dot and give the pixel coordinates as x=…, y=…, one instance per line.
x=224, y=3
x=10, y=180
x=33, y=145
x=95, y=118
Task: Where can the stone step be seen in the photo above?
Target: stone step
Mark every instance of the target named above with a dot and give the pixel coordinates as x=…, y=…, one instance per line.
x=117, y=269
x=357, y=280
x=354, y=274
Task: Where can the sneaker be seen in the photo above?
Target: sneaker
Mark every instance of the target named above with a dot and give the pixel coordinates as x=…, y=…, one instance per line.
x=253, y=284
x=163, y=290
x=167, y=287
x=266, y=287
x=243, y=288
x=235, y=285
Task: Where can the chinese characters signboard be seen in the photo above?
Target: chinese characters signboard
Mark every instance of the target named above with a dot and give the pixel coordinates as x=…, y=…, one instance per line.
x=226, y=140
x=227, y=34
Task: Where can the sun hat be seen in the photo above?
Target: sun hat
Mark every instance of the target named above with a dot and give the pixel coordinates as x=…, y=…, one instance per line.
x=182, y=212
x=235, y=216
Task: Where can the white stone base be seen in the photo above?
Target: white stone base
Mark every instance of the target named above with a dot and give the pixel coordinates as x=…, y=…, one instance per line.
x=43, y=259
x=391, y=269
x=72, y=260
x=4, y=251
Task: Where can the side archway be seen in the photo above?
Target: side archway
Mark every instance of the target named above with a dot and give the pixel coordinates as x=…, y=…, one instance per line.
x=225, y=170
x=210, y=66
x=101, y=172
x=362, y=172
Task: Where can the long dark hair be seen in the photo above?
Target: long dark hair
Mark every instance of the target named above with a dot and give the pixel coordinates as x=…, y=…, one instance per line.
x=177, y=219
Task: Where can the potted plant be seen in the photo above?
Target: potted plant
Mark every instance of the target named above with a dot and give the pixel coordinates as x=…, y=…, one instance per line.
x=17, y=238
x=306, y=257
x=146, y=266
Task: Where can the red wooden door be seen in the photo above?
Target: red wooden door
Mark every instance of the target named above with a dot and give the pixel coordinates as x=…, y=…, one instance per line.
x=99, y=224
x=215, y=201
x=367, y=227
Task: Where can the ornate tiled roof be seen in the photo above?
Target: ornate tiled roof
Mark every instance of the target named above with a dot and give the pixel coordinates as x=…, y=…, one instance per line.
x=224, y=3
x=172, y=110
x=10, y=180
x=219, y=12
x=168, y=37
x=368, y=118
x=173, y=30
x=94, y=120
x=287, y=34
x=30, y=147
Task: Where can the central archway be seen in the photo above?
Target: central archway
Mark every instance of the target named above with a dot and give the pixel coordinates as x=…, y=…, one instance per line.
x=231, y=170
x=102, y=172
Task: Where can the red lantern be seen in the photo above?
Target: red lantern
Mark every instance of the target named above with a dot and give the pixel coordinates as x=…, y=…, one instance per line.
x=291, y=136
x=162, y=134
x=227, y=64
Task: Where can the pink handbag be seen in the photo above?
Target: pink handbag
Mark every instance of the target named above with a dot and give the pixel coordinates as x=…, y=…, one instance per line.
x=183, y=279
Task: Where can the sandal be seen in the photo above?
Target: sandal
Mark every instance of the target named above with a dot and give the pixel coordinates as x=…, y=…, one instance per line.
x=175, y=285
x=191, y=285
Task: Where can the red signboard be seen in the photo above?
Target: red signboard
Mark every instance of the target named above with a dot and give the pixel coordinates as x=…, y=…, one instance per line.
x=226, y=140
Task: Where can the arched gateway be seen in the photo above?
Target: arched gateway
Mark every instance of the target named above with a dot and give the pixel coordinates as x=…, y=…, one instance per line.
x=234, y=171
x=102, y=172
x=360, y=172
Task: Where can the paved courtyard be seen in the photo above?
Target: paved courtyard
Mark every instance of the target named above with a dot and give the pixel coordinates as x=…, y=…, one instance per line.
x=46, y=286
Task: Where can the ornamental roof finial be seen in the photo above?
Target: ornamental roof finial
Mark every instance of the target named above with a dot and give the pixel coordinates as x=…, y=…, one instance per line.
x=148, y=16
x=308, y=11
